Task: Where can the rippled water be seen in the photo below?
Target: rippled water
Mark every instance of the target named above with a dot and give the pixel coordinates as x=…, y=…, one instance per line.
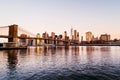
x=48, y=63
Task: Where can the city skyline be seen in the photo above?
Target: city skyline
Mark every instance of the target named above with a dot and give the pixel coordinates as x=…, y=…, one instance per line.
x=38, y=16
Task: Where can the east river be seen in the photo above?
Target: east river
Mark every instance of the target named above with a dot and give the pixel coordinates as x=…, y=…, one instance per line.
x=49, y=63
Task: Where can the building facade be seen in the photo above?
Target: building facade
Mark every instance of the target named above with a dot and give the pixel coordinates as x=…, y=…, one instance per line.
x=52, y=35
x=89, y=36
x=105, y=37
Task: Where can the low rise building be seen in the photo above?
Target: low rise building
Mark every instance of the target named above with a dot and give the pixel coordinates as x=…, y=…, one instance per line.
x=105, y=37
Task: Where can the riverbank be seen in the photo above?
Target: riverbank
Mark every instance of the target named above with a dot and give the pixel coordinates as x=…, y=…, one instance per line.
x=12, y=48
x=95, y=45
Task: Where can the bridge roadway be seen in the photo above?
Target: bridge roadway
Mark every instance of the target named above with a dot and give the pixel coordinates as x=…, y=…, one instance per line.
x=4, y=36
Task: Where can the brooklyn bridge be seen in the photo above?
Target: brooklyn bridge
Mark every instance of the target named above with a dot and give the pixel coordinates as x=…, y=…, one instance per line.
x=15, y=34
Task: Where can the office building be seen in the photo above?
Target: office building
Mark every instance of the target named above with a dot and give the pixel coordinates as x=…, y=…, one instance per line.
x=105, y=37
x=38, y=41
x=52, y=35
x=89, y=36
x=45, y=35
x=71, y=33
x=76, y=36
x=65, y=34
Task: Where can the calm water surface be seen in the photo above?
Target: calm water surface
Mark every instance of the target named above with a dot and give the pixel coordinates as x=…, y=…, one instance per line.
x=48, y=63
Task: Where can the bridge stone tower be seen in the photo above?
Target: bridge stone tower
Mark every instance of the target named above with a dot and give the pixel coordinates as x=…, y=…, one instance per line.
x=13, y=33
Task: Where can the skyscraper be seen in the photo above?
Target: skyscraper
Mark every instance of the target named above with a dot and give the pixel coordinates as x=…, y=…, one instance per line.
x=75, y=34
x=72, y=33
x=53, y=35
x=38, y=39
x=65, y=34
x=89, y=36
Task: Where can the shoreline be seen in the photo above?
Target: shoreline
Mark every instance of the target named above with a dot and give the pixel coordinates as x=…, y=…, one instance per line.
x=95, y=45
x=12, y=48
x=16, y=48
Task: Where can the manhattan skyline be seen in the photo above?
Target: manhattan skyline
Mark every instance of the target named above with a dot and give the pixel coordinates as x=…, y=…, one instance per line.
x=38, y=16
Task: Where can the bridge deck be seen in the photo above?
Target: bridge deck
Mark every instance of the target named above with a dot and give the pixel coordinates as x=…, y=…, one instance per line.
x=4, y=36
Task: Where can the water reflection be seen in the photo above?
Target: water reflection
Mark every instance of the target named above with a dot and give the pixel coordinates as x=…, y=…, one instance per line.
x=61, y=63
x=106, y=55
x=75, y=50
x=75, y=55
x=12, y=59
x=23, y=52
x=53, y=50
x=89, y=50
x=45, y=51
x=12, y=63
x=105, y=49
x=98, y=54
x=38, y=50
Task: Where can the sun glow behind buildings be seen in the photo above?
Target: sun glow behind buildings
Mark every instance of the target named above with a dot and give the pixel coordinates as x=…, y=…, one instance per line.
x=39, y=16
